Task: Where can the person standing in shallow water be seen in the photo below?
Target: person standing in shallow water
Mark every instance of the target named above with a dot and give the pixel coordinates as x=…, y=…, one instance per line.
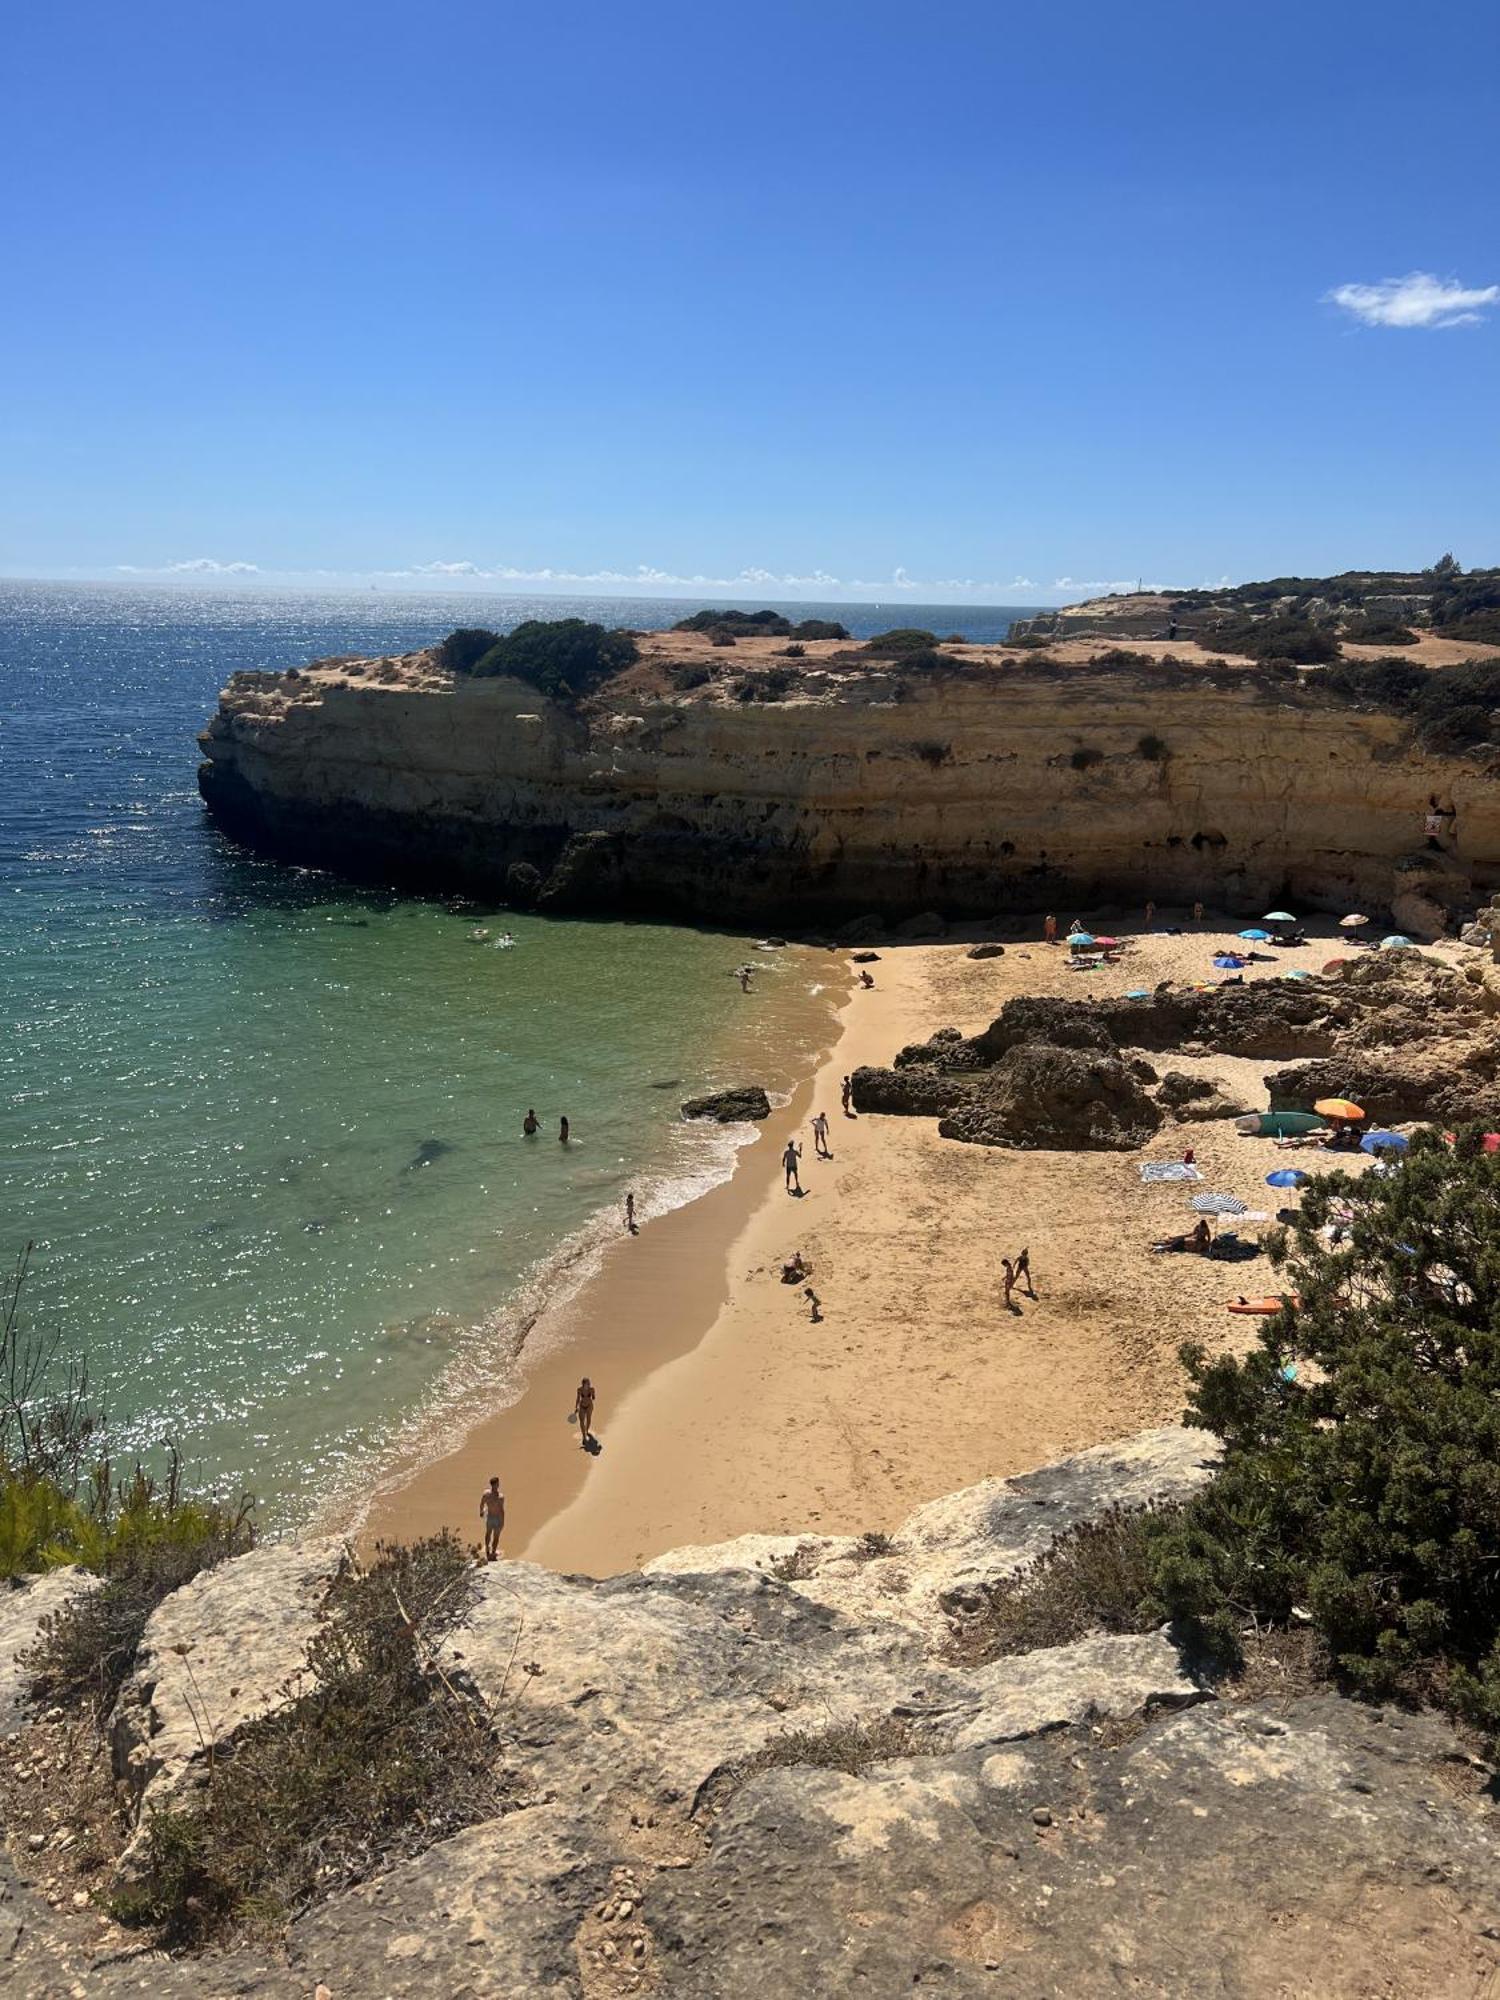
x=531, y=1125
x=630, y=1222
x=492, y=1512
x=562, y=1131
x=789, y=1161
x=583, y=1409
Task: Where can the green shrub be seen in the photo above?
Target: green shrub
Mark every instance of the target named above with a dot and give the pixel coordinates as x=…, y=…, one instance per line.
x=152, y=1543
x=752, y=624
x=1483, y=627
x=1152, y=749
x=902, y=639
x=794, y=652
x=462, y=650
x=1280, y=638
x=1084, y=759
x=1448, y=706
x=1362, y=1488
x=689, y=677
x=772, y=685
x=562, y=657
x=722, y=639
x=1377, y=632
x=1097, y=1577
x=380, y=1758
x=819, y=628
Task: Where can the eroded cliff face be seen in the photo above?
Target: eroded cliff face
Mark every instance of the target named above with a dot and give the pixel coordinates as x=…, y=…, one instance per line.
x=1001, y=785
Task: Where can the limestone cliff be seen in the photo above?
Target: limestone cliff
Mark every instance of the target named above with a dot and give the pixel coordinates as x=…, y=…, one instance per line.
x=994, y=783
x=699, y=1818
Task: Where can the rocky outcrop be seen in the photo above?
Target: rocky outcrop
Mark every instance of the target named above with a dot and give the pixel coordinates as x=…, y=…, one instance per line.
x=227, y=1647
x=916, y=1090
x=1074, y=1100
x=992, y=784
x=761, y=1768
x=24, y=1608
x=730, y=1107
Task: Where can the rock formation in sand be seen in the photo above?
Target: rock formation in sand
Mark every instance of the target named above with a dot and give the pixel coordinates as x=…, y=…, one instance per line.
x=1405, y=1037
x=774, y=1767
x=982, y=784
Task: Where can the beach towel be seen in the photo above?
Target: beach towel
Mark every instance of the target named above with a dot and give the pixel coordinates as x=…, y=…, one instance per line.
x=1168, y=1170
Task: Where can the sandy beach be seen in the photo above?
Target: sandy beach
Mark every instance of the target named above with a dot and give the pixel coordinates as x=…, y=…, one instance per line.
x=724, y=1410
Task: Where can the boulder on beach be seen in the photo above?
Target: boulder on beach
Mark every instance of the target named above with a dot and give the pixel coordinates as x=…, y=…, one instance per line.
x=1063, y=1099
x=730, y=1107
x=986, y=951
x=914, y=1090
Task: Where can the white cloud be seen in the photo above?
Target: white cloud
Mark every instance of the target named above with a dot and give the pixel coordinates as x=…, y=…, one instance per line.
x=1104, y=587
x=197, y=566
x=1419, y=299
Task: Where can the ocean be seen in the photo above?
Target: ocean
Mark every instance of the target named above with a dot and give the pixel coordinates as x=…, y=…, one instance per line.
x=264, y=1128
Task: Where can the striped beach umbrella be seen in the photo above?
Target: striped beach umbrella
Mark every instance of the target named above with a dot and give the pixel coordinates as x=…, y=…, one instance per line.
x=1220, y=1204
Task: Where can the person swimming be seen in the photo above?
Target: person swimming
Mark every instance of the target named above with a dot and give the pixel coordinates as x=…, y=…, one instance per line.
x=531, y=1125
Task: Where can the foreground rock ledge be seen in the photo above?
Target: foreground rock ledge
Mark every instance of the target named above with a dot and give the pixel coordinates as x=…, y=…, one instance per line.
x=1080, y=1820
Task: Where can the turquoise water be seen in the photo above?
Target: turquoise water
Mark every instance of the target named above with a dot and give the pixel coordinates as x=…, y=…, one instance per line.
x=265, y=1128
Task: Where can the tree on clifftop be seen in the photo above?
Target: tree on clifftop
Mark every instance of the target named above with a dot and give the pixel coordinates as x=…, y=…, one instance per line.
x=562, y=657
x=1361, y=1478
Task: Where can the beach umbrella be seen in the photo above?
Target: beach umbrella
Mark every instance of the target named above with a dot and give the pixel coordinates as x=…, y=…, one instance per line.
x=1353, y=922
x=1489, y=1144
x=1297, y=972
x=1336, y=964
x=1383, y=1142
x=1080, y=940
x=1337, y=1107
x=1138, y=993
x=1228, y=961
x=1287, y=1177
x=1220, y=1204
x=1256, y=937
x=1278, y=917
x=1106, y=944
x=1395, y=942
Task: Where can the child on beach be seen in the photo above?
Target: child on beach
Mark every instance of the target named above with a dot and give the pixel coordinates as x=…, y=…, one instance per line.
x=820, y=1136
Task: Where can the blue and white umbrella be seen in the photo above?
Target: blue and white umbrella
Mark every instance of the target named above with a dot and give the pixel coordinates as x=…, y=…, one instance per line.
x=1287, y=1177
x=1080, y=940
x=1256, y=936
x=1396, y=943
x=1220, y=1204
x=1279, y=917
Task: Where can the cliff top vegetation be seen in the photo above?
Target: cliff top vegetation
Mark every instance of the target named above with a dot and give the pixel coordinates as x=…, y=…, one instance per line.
x=760, y=625
x=565, y=658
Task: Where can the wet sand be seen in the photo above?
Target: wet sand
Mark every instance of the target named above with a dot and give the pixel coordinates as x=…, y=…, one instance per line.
x=723, y=1410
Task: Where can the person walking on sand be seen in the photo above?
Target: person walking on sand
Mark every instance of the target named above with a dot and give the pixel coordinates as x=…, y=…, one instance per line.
x=1007, y=1285
x=562, y=1131
x=820, y=1136
x=630, y=1221
x=531, y=1125
x=1023, y=1274
x=743, y=975
x=789, y=1161
x=1150, y=914
x=583, y=1409
x=492, y=1512
x=1049, y=928
x=846, y=1095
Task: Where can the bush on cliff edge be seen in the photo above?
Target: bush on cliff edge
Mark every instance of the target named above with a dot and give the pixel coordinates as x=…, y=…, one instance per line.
x=565, y=658
x=1360, y=1487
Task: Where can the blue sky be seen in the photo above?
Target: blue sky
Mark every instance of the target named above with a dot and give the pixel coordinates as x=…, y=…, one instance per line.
x=1007, y=303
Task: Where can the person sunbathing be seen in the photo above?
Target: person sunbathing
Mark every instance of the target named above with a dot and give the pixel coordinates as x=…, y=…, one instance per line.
x=1196, y=1240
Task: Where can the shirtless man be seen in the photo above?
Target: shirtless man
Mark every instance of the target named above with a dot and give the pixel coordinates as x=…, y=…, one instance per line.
x=820, y=1136
x=531, y=1125
x=583, y=1409
x=1007, y=1284
x=789, y=1161
x=1049, y=929
x=630, y=1221
x=846, y=1095
x=492, y=1509
x=866, y=979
